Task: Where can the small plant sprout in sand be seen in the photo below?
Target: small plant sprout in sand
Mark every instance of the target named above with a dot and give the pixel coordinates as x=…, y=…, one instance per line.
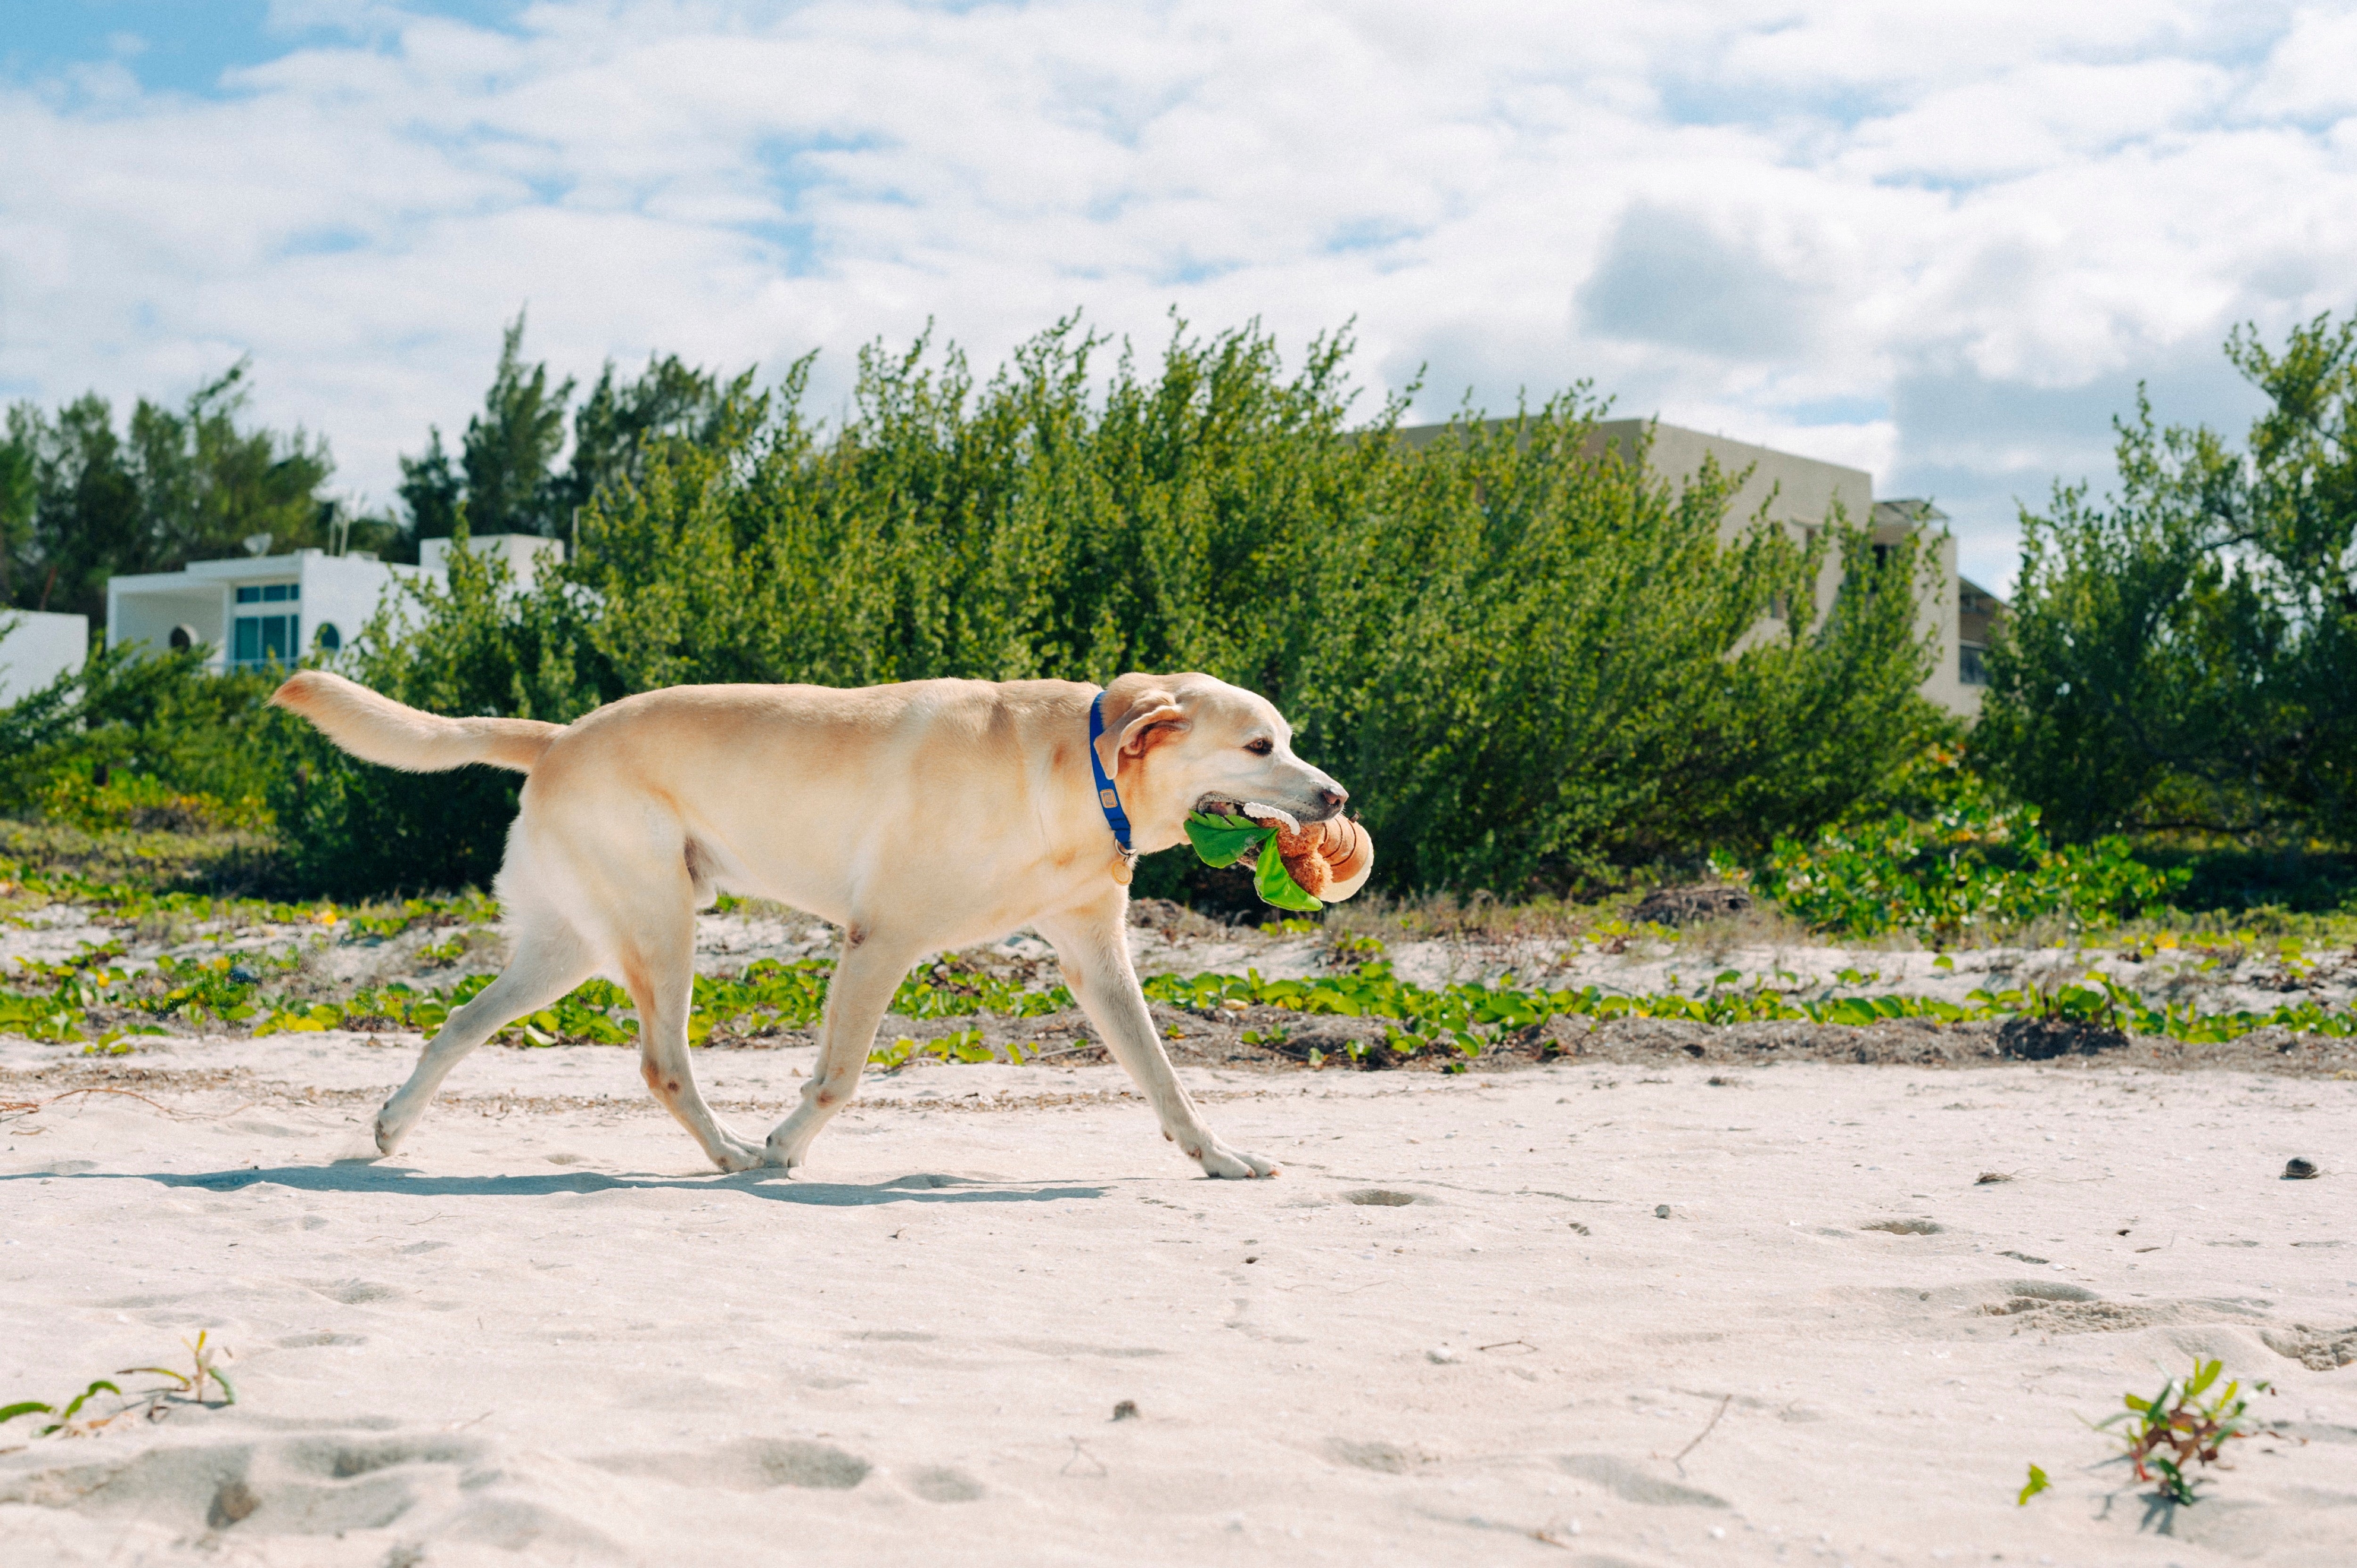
x=186, y=1387
x=2031, y=1487
x=2177, y=1428
x=69, y=1420
x=191, y=1384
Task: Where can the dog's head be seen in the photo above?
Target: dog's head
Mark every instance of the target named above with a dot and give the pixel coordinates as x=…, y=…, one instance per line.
x=1177, y=744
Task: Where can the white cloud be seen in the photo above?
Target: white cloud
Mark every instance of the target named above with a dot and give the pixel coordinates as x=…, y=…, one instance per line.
x=1940, y=244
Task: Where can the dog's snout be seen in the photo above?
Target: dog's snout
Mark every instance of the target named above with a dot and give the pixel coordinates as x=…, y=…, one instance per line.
x=1332, y=796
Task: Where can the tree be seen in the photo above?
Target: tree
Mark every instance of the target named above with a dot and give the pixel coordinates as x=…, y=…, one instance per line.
x=20, y=493
x=502, y=474
x=2178, y=656
x=511, y=444
x=619, y=423
x=431, y=492
x=505, y=478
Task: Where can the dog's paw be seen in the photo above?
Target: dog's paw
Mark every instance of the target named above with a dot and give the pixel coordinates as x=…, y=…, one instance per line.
x=787, y=1154
x=791, y=1140
x=737, y=1154
x=1234, y=1164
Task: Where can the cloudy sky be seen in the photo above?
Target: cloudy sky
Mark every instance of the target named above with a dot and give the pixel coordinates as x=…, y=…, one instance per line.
x=1940, y=242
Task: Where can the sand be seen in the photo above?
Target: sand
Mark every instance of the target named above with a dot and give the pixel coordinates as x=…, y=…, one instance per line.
x=1602, y=1313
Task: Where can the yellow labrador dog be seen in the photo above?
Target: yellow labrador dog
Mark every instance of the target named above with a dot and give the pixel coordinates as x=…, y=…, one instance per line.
x=917, y=817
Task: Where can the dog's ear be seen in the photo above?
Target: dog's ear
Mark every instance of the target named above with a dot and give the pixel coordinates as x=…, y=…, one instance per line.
x=1141, y=711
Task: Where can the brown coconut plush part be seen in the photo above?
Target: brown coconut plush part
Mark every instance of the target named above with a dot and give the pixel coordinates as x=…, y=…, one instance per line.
x=1325, y=855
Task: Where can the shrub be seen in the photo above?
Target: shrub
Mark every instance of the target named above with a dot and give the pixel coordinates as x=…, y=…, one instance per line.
x=142, y=803
x=2177, y=656
x=1973, y=868
x=185, y=732
x=1529, y=658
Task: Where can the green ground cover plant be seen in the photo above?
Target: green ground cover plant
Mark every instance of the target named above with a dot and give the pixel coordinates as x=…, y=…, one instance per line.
x=129, y=904
x=2037, y=1483
x=1972, y=870
x=65, y=1414
x=1461, y=1020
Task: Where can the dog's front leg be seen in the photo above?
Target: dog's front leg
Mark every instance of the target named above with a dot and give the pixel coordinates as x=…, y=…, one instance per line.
x=865, y=978
x=1097, y=967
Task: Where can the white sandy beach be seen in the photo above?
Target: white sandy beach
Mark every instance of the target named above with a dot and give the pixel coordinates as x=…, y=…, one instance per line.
x=1456, y=1330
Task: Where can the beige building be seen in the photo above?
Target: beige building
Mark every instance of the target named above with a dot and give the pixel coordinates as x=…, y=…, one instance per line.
x=1803, y=493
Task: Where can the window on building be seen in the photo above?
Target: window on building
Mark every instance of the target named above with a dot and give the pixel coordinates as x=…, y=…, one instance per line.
x=264, y=639
x=331, y=638
x=259, y=640
x=1972, y=667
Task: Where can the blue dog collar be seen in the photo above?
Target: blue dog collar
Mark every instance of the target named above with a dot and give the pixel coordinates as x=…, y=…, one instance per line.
x=1108, y=798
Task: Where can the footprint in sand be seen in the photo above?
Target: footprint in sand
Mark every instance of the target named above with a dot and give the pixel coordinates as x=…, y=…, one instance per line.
x=2317, y=1349
x=1630, y=1483
x=939, y=1484
x=356, y=1293
x=312, y=1485
x=750, y=1465
x=1384, y=1458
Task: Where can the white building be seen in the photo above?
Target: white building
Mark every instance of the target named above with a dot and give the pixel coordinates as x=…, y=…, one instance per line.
x=35, y=648
x=267, y=609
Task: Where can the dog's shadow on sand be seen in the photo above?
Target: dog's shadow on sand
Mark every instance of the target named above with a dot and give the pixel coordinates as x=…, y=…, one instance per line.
x=775, y=1186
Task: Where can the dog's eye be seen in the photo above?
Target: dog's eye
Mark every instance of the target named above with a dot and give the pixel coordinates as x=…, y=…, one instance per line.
x=1261, y=748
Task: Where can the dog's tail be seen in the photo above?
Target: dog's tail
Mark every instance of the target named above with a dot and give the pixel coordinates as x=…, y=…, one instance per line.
x=378, y=729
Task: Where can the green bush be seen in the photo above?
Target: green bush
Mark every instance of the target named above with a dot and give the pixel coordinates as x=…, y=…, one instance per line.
x=351, y=830
x=1972, y=869
x=164, y=720
x=142, y=803
x=2178, y=657
x=1540, y=660
x=1529, y=659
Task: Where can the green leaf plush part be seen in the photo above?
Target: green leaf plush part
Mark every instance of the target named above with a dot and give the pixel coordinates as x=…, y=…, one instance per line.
x=1275, y=883
x=1224, y=840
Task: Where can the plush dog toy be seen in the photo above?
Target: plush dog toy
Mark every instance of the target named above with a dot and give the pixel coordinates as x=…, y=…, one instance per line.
x=1321, y=863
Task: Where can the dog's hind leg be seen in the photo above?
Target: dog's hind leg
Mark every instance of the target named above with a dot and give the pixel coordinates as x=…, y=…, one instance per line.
x=550, y=960
x=868, y=973
x=661, y=975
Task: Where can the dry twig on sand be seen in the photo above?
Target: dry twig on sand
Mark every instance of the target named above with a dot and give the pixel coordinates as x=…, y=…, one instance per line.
x=1678, y=1459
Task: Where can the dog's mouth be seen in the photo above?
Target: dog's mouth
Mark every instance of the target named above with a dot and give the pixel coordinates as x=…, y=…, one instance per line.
x=1230, y=806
